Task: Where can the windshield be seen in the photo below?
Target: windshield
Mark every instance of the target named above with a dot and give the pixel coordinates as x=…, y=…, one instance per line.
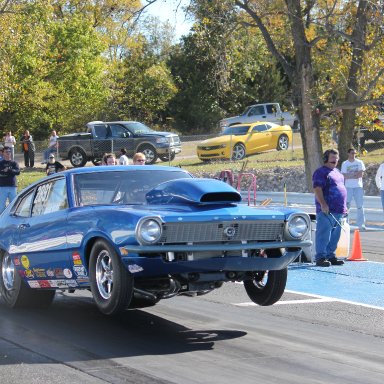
x=120, y=187
x=238, y=130
x=138, y=128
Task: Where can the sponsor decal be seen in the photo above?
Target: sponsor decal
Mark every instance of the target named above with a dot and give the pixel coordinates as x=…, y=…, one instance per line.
x=50, y=272
x=16, y=261
x=62, y=284
x=134, y=268
x=21, y=272
x=34, y=284
x=82, y=280
x=77, y=258
x=25, y=261
x=29, y=274
x=79, y=270
x=72, y=283
x=39, y=272
x=44, y=284
x=59, y=273
x=67, y=273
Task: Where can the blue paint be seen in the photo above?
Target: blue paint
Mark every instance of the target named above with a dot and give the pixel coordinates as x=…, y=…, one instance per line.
x=357, y=281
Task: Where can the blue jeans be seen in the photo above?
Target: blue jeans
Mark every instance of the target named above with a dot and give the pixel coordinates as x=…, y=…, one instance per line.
x=358, y=195
x=6, y=193
x=47, y=152
x=327, y=235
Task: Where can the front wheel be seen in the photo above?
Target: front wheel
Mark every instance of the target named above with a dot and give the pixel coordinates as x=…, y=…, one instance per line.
x=238, y=152
x=77, y=157
x=282, y=143
x=14, y=292
x=267, y=287
x=111, y=284
x=150, y=154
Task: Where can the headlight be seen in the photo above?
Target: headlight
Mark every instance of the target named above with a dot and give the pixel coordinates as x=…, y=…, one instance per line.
x=162, y=140
x=149, y=230
x=298, y=226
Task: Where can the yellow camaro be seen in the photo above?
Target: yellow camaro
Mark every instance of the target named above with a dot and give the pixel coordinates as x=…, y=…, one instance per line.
x=238, y=141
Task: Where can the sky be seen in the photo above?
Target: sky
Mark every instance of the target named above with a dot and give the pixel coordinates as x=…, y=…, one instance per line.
x=171, y=10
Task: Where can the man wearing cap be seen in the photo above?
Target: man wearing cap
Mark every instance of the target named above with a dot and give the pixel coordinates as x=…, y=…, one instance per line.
x=9, y=169
x=53, y=166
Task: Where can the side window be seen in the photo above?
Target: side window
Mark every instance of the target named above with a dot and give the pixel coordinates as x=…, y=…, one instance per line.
x=50, y=197
x=100, y=131
x=271, y=108
x=259, y=128
x=257, y=110
x=118, y=131
x=24, y=207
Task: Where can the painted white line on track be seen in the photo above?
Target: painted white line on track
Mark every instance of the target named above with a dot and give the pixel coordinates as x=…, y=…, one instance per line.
x=284, y=302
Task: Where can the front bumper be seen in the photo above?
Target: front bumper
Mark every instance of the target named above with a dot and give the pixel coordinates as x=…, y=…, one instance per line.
x=168, y=149
x=155, y=266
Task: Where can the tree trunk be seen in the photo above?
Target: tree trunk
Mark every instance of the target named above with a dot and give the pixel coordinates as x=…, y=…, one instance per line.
x=310, y=133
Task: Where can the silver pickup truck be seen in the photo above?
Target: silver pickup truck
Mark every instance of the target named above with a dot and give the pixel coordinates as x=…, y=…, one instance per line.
x=270, y=112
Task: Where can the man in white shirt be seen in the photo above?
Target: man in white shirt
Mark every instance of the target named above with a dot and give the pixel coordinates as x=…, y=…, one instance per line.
x=353, y=170
x=123, y=159
x=380, y=182
x=52, y=147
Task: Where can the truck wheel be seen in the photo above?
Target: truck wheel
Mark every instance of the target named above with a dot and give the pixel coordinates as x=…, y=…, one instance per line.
x=282, y=143
x=150, y=153
x=111, y=284
x=267, y=287
x=15, y=293
x=77, y=157
x=167, y=158
x=238, y=152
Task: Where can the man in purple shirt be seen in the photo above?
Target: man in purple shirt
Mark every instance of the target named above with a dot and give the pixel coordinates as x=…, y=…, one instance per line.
x=331, y=206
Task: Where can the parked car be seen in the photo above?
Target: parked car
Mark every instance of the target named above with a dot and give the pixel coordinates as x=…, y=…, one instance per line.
x=103, y=137
x=238, y=141
x=267, y=112
x=375, y=133
x=134, y=235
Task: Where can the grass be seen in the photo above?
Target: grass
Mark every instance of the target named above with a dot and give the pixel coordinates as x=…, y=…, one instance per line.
x=28, y=177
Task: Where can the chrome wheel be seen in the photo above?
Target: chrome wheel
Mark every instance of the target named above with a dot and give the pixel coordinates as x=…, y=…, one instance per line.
x=283, y=142
x=8, y=272
x=104, y=274
x=238, y=152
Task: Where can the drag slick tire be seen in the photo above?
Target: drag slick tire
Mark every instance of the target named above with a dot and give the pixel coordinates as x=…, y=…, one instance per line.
x=267, y=287
x=111, y=283
x=15, y=293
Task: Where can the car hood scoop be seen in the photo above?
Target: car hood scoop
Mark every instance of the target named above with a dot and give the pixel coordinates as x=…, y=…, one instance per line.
x=193, y=191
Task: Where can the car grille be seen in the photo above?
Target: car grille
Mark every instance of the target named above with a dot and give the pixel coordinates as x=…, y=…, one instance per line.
x=211, y=148
x=261, y=230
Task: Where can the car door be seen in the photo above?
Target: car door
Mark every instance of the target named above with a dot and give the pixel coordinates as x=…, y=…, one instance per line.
x=259, y=138
x=41, y=246
x=256, y=113
x=121, y=138
x=101, y=142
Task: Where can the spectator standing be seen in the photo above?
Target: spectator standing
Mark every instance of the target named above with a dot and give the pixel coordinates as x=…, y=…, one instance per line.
x=330, y=199
x=352, y=170
x=139, y=159
x=123, y=159
x=109, y=159
x=28, y=148
x=9, y=169
x=10, y=141
x=52, y=147
x=380, y=182
x=53, y=166
x=1, y=153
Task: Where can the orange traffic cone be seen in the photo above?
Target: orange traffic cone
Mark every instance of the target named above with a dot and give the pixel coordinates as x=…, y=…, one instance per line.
x=356, y=254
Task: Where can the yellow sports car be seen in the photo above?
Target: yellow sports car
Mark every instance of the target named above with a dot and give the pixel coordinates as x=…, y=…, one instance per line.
x=238, y=141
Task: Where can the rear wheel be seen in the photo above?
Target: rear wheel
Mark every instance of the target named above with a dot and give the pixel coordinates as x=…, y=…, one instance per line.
x=238, y=152
x=267, y=287
x=111, y=284
x=282, y=143
x=77, y=157
x=14, y=292
x=150, y=153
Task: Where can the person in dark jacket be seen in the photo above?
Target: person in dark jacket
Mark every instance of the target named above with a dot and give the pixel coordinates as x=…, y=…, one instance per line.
x=9, y=169
x=28, y=148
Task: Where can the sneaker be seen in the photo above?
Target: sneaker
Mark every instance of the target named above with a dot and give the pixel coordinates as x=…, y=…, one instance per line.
x=336, y=261
x=323, y=263
x=362, y=228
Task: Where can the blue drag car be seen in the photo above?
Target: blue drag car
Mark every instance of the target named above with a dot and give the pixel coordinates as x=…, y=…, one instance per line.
x=135, y=235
